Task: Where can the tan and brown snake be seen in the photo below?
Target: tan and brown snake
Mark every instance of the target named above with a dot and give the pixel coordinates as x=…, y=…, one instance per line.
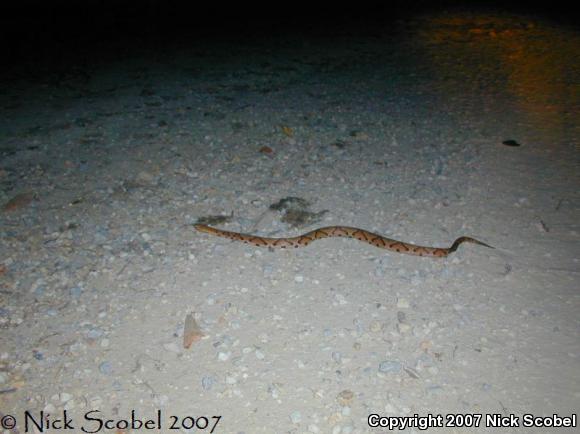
x=340, y=231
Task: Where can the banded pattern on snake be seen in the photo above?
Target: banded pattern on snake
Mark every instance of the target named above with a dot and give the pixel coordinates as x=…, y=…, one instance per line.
x=341, y=231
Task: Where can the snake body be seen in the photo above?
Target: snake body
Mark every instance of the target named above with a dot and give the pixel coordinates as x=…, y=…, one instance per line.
x=340, y=231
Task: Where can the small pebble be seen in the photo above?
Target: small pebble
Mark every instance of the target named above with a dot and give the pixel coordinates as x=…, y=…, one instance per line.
x=94, y=333
x=296, y=417
x=403, y=328
x=334, y=418
x=37, y=355
x=389, y=409
x=345, y=397
x=75, y=291
x=106, y=368
x=274, y=391
x=96, y=402
x=390, y=367
x=161, y=400
x=375, y=326
x=402, y=303
x=207, y=382
x=172, y=347
x=313, y=428
x=434, y=389
x=64, y=397
x=424, y=361
x=412, y=372
x=224, y=355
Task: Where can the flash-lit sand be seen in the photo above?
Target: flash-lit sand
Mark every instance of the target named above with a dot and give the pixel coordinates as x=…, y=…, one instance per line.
x=399, y=132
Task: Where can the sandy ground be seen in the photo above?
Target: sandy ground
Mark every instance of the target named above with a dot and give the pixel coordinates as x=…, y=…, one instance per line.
x=106, y=166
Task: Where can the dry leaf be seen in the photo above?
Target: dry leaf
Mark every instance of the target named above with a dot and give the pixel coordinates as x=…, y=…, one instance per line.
x=191, y=331
x=288, y=131
x=19, y=201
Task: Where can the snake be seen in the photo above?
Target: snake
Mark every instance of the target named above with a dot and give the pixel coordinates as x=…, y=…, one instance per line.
x=340, y=231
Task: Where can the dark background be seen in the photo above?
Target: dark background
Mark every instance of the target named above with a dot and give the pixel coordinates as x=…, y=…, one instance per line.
x=33, y=29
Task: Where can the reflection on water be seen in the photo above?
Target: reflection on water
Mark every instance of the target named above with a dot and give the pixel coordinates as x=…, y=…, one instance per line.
x=536, y=64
